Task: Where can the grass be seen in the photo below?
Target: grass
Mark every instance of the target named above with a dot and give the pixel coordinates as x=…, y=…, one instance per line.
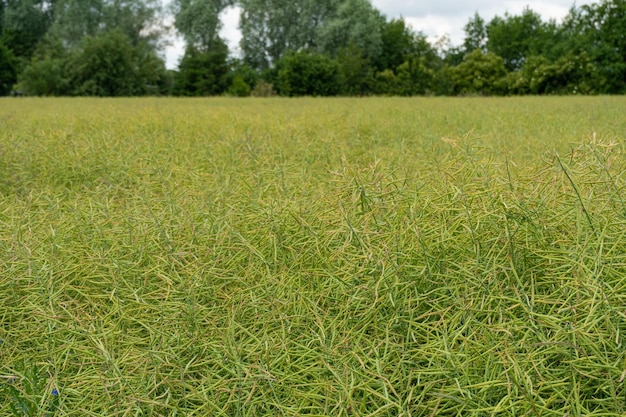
x=288, y=257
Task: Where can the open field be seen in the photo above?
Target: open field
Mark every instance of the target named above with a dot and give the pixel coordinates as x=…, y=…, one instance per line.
x=327, y=257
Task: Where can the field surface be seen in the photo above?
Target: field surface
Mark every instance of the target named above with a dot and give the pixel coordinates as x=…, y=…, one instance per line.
x=324, y=257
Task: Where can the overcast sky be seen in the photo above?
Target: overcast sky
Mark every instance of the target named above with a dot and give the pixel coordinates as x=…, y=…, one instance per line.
x=434, y=18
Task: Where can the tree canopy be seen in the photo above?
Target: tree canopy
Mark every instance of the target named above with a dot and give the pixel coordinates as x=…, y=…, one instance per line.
x=302, y=47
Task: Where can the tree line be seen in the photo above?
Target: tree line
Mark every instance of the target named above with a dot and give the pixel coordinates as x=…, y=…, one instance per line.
x=302, y=47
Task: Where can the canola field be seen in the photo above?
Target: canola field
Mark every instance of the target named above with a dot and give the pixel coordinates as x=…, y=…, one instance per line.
x=313, y=257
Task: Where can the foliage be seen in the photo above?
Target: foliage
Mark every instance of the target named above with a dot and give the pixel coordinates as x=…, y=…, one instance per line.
x=273, y=28
x=203, y=72
x=239, y=87
x=308, y=74
x=8, y=73
x=47, y=73
x=514, y=37
x=355, y=71
x=139, y=20
x=475, y=34
x=239, y=68
x=25, y=23
x=398, y=42
x=198, y=21
x=46, y=77
x=108, y=65
x=356, y=23
x=77, y=34
x=598, y=29
x=373, y=54
x=567, y=75
x=480, y=73
x=29, y=395
x=415, y=77
x=263, y=89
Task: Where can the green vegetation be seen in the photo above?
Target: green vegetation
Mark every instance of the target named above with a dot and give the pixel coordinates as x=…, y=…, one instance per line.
x=289, y=257
x=302, y=47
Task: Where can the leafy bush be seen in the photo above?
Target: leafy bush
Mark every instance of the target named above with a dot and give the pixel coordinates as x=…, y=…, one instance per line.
x=308, y=74
x=480, y=73
x=109, y=65
x=45, y=78
x=7, y=70
x=263, y=89
x=203, y=72
x=239, y=87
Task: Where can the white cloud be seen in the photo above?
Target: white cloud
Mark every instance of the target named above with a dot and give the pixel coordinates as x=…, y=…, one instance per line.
x=173, y=52
x=436, y=26
x=230, y=28
x=452, y=8
x=420, y=8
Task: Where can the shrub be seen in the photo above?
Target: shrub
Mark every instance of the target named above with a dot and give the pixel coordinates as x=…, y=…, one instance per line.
x=7, y=70
x=263, y=89
x=239, y=88
x=308, y=74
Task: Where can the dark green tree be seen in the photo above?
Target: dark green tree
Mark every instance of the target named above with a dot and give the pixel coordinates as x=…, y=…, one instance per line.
x=198, y=21
x=8, y=75
x=475, y=34
x=272, y=28
x=514, y=38
x=480, y=73
x=239, y=87
x=416, y=76
x=307, y=74
x=109, y=65
x=76, y=19
x=357, y=23
x=598, y=29
x=203, y=72
x=139, y=20
x=47, y=73
x=355, y=71
x=48, y=77
x=24, y=23
x=398, y=43
x=242, y=70
x=91, y=47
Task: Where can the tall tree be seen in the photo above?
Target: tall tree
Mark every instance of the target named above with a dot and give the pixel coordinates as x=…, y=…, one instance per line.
x=398, y=41
x=137, y=19
x=8, y=74
x=356, y=22
x=109, y=65
x=307, y=73
x=514, y=38
x=598, y=29
x=97, y=47
x=47, y=74
x=140, y=20
x=355, y=71
x=24, y=23
x=76, y=19
x=272, y=28
x=475, y=34
x=480, y=73
x=198, y=21
x=203, y=72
